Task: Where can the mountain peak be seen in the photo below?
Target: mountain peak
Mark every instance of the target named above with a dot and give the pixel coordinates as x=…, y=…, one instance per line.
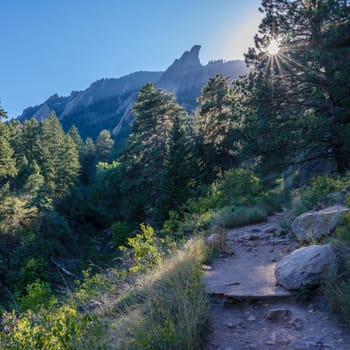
x=189, y=59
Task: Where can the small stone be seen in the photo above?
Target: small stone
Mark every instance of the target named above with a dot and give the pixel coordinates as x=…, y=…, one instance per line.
x=273, y=260
x=206, y=268
x=229, y=325
x=297, y=324
x=273, y=337
x=278, y=314
x=251, y=318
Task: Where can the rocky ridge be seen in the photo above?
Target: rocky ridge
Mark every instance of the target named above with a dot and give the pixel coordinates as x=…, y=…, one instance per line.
x=107, y=103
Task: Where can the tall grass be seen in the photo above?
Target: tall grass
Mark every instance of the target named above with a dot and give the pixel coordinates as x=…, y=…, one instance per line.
x=237, y=217
x=337, y=289
x=169, y=310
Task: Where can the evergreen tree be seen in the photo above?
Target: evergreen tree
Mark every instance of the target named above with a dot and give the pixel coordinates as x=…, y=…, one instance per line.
x=75, y=135
x=146, y=150
x=308, y=78
x=181, y=171
x=104, y=146
x=7, y=161
x=58, y=156
x=212, y=125
x=35, y=180
x=88, y=160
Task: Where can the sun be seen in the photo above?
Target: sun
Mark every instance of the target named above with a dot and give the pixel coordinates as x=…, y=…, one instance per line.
x=273, y=48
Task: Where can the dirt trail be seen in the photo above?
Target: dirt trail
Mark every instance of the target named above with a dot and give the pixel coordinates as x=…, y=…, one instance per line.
x=242, y=291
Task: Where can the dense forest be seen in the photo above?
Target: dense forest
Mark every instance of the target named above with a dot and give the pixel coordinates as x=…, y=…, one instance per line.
x=68, y=204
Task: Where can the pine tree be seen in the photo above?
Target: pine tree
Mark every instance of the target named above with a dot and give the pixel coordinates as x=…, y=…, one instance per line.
x=308, y=78
x=88, y=160
x=104, y=146
x=7, y=161
x=212, y=125
x=146, y=150
x=58, y=156
x=75, y=135
x=181, y=171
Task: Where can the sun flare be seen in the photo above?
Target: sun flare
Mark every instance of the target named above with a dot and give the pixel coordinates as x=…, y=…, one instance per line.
x=273, y=48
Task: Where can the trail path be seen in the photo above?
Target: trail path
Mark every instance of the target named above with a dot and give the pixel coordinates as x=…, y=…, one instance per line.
x=242, y=291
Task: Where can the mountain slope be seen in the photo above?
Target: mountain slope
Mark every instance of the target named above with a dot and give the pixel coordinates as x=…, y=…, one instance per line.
x=107, y=103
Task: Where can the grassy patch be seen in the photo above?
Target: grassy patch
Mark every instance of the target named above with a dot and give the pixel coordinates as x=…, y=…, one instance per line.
x=337, y=289
x=236, y=217
x=173, y=310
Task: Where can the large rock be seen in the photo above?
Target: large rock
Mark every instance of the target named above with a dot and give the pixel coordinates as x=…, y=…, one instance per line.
x=306, y=267
x=313, y=225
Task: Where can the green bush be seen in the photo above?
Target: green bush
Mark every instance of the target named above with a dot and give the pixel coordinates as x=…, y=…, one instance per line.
x=337, y=290
x=315, y=195
x=236, y=217
x=37, y=294
x=145, y=250
x=61, y=328
x=121, y=230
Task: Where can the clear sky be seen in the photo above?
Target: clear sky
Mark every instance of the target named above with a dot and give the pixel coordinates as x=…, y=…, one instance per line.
x=56, y=46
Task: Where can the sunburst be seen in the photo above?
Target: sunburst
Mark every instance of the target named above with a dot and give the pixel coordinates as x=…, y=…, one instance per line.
x=273, y=48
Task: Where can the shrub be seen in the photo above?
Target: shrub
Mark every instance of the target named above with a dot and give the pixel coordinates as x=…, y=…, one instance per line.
x=235, y=217
x=61, y=328
x=337, y=290
x=37, y=294
x=316, y=194
x=121, y=230
x=145, y=249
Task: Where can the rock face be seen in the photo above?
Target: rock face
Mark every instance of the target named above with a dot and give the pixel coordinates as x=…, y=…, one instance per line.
x=107, y=103
x=313, y=225
x=306, y=267
x=186, y=76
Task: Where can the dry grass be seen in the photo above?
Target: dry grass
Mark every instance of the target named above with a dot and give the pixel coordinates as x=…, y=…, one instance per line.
x=168, y=309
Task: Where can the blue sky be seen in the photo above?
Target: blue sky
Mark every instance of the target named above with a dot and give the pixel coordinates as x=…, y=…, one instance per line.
x=56, y=46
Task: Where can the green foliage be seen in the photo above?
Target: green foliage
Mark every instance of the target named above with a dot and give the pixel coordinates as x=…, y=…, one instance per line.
x=34, y=269
x=121, y=230
x=315, y=195
x=104, y=146
x=337, y=289
x=146, y=249
x=144, y=157
x=240, y=216
x=37, y=295
x=7, y=161
x=213, y=125
x=237, y=187
x=181, y=173
x=174, y=312
x=61, y=328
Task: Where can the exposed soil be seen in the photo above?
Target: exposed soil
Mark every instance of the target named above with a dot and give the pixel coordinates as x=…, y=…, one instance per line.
x=243, y=298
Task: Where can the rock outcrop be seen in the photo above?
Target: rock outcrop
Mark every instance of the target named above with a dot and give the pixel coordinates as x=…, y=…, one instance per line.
x=107, y=103
x=314, y=225
x=306, y=267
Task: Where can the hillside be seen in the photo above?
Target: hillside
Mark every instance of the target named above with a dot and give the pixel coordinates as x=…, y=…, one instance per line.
x=107, y=103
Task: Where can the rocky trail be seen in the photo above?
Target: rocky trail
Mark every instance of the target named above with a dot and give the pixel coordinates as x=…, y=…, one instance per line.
x=248, y=310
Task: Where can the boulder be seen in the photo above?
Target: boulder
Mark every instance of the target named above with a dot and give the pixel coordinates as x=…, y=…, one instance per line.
x=216, y=241
x=306, y=267
x=313, y=225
